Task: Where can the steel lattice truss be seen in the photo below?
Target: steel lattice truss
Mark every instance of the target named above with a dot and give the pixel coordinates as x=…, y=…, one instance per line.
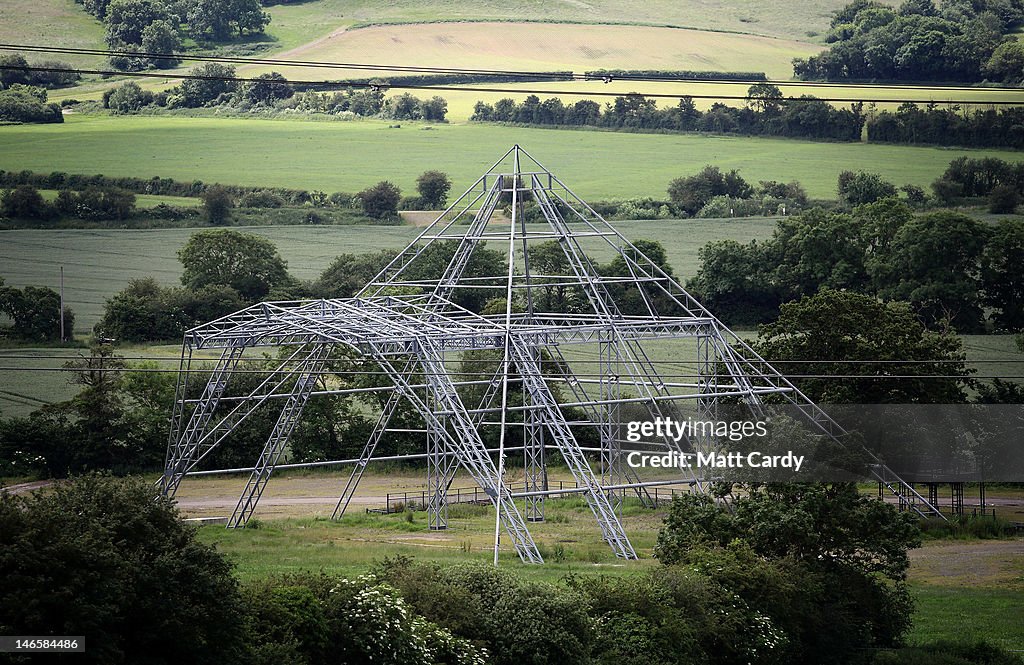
x=410, y=323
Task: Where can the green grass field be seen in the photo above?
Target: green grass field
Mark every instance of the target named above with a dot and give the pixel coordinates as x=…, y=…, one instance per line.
x=99, y=262
x=348, y=156
x=51, y=23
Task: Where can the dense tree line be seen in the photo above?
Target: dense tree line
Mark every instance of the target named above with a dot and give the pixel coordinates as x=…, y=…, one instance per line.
x=677, y=74
x=442, y=79
x=711, y=193
x=975, y=178
x=167, y=187
x=103, y=199
x=958, y=40
x=24, y=202
x=15, y=68
x=843, y=332
x=26, y=103
x=156, y=28
x=952, y=126
x=933, y=261
x=272, y=93
x=768, y=113
x=34, y=312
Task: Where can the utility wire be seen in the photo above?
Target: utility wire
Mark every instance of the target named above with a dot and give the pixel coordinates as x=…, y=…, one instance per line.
x=5, y=356
x=517, y=91
x=490, y=375
x=528, y=75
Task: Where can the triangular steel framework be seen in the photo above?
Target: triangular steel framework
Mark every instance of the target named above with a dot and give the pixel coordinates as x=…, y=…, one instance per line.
x=414, y=322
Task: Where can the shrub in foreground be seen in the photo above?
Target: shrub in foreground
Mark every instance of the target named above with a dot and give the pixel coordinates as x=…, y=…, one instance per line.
x=101, y=557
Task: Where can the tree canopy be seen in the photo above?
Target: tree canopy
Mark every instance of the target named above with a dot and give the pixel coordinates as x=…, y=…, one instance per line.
x=106, y=559
x=247, y=263
x=843, y=333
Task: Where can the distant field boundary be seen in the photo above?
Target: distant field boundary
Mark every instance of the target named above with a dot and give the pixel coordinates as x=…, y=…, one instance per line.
x=533, y=77
x=636, y=24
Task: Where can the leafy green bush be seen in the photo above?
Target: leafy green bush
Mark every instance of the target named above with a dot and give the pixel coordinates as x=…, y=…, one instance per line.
x=104, y=558
x=643, y=208
x=518, y=621
x=726, y=206
x=318, y=619
x=848, y=554
x=23, y=103
x=127, y=98
x=381, y=200
x=260, y=198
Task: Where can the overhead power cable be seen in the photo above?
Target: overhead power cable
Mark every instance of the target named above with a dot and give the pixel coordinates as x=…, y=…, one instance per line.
x=516, y=91
x=175, y=359
x=489, y=375
x=524, y=74
x=341, y=84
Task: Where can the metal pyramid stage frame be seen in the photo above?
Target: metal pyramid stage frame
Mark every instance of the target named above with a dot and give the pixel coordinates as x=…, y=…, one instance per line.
x=572, y=369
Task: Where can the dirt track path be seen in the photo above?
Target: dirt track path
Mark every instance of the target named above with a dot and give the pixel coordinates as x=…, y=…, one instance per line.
x=190, y=505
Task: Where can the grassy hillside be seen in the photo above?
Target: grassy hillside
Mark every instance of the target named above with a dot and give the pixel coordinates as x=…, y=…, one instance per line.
x=64, y=23
x=53, y=23
x=539, y=46
x=348, y=156
x=801, y=19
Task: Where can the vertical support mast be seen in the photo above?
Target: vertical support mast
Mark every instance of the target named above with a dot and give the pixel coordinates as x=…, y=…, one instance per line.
x=508, y=340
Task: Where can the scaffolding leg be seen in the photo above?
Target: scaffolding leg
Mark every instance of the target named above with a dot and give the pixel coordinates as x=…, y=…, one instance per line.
x=183, y=450
x=286, y=422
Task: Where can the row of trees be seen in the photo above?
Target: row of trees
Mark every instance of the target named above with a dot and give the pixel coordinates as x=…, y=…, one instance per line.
x=271, y=92
x=15, y=68
x=950, y=267
x=160, y=186
x=711, y=193
x=25, y=202
x=157, y=26
x=105, y=201
x=973, y=178
x=26, y=103
x=951, y=125
x=767, y=113
x=963, y=40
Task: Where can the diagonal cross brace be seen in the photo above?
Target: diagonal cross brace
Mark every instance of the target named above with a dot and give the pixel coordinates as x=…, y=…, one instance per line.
x=465, y=441
x=181, y=452
x=551, y=416
x=283, y=428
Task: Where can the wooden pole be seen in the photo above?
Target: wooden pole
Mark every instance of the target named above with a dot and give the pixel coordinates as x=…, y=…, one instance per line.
x=62, y=304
